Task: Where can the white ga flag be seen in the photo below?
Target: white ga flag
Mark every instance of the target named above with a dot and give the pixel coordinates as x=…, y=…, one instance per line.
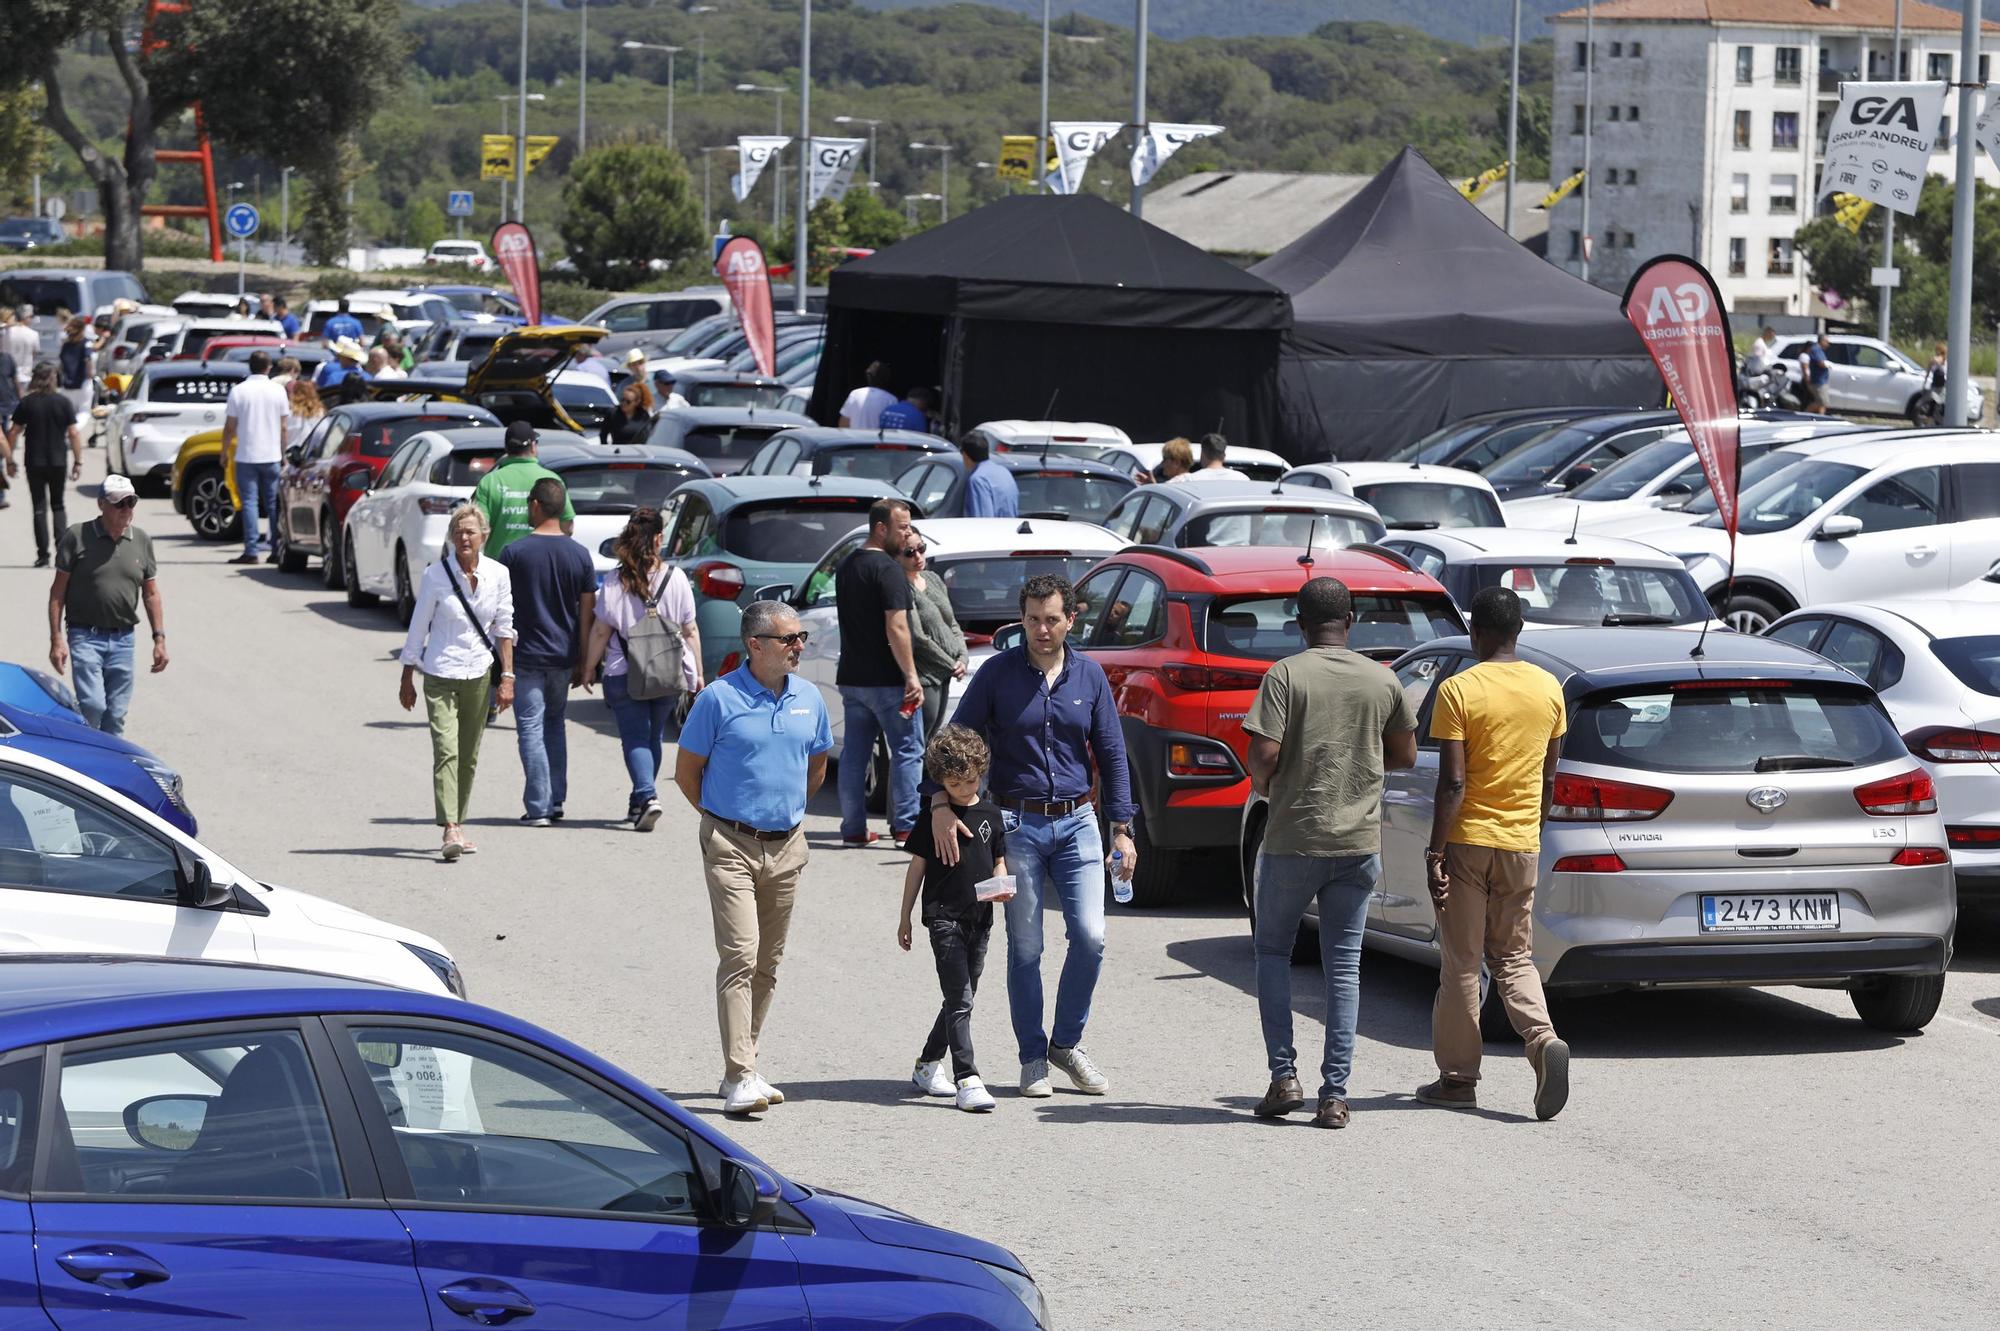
x=755, y=151
x=1988, y=128
x=832, y=168
x=1878, y=145
x=1161, y=142
x=1077, y=141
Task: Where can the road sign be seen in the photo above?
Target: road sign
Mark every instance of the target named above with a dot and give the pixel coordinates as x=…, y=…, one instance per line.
x=496, y=157
x=241, y=220
x=55, y=207
x=458, y=203
x=1885, y=277
x=539, y=146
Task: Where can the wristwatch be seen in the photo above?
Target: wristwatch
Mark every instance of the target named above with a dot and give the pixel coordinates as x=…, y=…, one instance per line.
x=1433, y=855
x=158, y=634
x=506, y=674
x=1122, y=829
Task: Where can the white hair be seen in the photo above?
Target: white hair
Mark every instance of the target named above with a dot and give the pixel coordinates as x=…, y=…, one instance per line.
x=760, y=616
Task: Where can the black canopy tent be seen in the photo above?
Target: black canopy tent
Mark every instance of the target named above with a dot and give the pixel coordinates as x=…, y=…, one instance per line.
x=1410, y=309
x=1037, y=299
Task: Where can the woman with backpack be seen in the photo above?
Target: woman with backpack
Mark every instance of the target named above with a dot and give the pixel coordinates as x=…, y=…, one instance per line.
x=646, y=637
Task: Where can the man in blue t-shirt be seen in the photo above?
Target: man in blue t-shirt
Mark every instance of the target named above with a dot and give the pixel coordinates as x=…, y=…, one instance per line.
x=555, y=602
x=341, y=325
x=286, y=319
x=1815, y=370
x=912, y=413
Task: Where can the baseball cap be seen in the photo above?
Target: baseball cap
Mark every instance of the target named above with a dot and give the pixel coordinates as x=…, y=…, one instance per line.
x=663, y=376
x=520, y=436
x=116, y=488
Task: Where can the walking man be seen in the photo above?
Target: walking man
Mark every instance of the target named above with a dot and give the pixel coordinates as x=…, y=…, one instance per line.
x=253, y=424
x=1499, y=728
x=1326, y=724
x=24, y=344
x=990, y=491
x=752, y=753
x=555, y=600
x=879, y=686
x=1046, y=714
x=502, y=494
x=47, y=420
x=104, y=569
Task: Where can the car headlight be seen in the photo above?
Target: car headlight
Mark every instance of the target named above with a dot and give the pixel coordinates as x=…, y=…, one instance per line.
x=441, y=966
x=169, y=782
x=1026, y=1290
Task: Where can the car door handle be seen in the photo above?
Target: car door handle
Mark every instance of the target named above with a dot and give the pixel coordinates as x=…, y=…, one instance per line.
x=487, y=1302
x=112, y=1267
x=1925, y=551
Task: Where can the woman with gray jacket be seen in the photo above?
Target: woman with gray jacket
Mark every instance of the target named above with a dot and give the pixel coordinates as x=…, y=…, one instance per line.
x=937, y=642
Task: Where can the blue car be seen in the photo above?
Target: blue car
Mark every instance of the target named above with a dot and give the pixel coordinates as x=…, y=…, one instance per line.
x=38, y=713
x=187, y=1143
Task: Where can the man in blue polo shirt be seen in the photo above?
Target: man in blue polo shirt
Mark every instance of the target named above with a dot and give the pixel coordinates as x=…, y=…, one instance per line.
x=753, y=751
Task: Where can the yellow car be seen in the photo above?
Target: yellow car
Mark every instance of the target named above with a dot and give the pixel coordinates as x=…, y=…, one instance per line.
x=204, y=487
x=516, y=381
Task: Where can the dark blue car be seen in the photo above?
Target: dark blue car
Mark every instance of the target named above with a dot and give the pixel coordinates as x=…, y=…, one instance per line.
x=226, y=1144
x=38, y=713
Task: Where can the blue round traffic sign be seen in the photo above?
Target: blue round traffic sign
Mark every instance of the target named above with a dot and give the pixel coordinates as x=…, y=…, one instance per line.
x=241, y=220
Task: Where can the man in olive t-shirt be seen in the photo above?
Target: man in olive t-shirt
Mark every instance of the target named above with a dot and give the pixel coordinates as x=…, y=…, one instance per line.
x=104, y=572
x=1327, y=723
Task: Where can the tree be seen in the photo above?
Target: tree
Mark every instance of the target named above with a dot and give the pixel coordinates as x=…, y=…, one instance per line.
x=423, y=223
x=23, y=141
x=625, y=204
x=871, y=224
x=289, y=80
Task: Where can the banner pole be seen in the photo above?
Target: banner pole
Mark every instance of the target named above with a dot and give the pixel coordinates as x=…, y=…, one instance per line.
x=800, y=250
x=1958, y=346
x=1889, y=214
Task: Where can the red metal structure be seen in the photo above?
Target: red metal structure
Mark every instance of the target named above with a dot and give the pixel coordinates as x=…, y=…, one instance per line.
x=199, y=154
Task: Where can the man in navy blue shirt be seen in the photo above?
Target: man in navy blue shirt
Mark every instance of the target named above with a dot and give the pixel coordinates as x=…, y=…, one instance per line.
x=286, y=319
x=1046, y=713
x=912, y=413
x=342, y=324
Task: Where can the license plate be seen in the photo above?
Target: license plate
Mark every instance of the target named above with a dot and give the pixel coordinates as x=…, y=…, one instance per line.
x=1778, y=910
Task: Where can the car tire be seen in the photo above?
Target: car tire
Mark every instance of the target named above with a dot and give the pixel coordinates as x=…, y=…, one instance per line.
x=1901, y=1003
x=1305, y=947
x=1160, y=877
x=209, y=511
x=332, y=573
x=1747, y=614
x=290, y=558
x=406, y=596
x=349, y=575
x=1494, y=1027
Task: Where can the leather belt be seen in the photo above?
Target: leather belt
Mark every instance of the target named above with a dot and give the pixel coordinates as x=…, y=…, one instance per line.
x=757, y=833
x=1047, y=808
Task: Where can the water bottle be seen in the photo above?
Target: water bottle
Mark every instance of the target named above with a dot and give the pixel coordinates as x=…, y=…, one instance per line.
x=1121, y=888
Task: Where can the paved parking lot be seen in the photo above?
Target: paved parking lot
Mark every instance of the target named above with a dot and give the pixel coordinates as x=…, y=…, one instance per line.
x=1749, y=1159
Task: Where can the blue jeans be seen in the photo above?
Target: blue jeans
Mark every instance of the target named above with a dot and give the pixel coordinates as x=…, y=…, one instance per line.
x=642, y=729
x=1286, y=884
x=541, y=699
x=257, y=487
x=868, y=711
x=100, y=664
x=1064, y=857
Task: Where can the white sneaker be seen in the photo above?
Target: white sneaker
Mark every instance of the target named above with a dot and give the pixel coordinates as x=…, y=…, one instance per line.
x=649, y=817
x=743, y=1097
x=758, y=1084
x=1082, y=1072
x=972, y=1096
x=1035, y=1079
x=930, y=1078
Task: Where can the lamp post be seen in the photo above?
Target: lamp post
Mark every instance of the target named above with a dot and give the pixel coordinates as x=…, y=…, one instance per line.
x=944, y=165
x=506, y=100
x=777, y=159
x=873, y=125
x=1589, y=121
x=1889, y=214
x=1958, y=322
x=521, y=130
x=700, y=43
x=242, y=243
x=1514, y=116
x=582, y=72
x=707, y=157
x=910, y=202
x=800, y=252
x=671, y=52
x=285, y=213
x=1041, y=157
x=1139, y=104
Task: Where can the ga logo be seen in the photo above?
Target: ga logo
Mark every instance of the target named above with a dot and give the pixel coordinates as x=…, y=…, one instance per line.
x=1686, y=303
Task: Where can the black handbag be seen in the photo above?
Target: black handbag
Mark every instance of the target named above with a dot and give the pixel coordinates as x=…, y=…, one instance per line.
x=451, y=576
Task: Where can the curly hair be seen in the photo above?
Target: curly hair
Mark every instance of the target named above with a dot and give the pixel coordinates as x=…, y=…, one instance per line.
x=634, y=550
x=956, y=754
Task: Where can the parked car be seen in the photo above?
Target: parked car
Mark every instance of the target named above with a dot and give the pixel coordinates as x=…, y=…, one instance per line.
x=187, y=340
x=39, y=715
x=78, y=290
x=1142, y=461
x=1476, y=442
x=1072, y=488
x=131, y=335
x=309, y=355
x=1078, y=439
x=166, y=402
x=476, y=302
x=223, y=1140
x=1409, y=495
x=522, y=378
x=607, y=483
x=1561, y=580
x=206, y=304
x=1746, y=817
x=1185, y=637
x=30, y=233
x=877, y=455
x=372, y=315
x=1567, y=454
x=709, y=343
x=726, y=438
x=1243, y=513
x=408, y=306
x=657, y=312
x=458, y=253
x=468, y=340
x=799, y=345
x=727, y=388
x=1867, y=375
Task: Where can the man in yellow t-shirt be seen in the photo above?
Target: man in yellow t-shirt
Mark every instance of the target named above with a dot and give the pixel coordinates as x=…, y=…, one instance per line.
x=1499, y=727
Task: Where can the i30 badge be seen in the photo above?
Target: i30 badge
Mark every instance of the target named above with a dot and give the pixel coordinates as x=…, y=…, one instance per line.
x=1766, y=799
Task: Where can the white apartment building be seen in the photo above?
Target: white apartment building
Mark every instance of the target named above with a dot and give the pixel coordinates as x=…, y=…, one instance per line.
x=1708, y=121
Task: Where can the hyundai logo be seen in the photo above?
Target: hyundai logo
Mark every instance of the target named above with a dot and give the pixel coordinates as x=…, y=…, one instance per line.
x=1766, y=799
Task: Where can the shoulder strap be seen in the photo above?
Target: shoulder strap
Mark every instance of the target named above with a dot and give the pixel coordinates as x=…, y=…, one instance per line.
x=451, y=576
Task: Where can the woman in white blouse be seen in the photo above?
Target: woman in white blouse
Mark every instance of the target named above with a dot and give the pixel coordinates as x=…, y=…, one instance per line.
x=455, y=652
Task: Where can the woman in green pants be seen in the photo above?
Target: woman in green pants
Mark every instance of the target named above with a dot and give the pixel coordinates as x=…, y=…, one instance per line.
x=464, y=615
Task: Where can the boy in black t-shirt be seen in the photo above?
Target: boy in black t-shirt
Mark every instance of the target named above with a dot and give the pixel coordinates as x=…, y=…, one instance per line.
x=959, y=922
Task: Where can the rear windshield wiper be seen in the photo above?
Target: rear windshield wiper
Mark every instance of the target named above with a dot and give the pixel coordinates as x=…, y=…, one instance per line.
x=1617, y=619
x=1797, y=762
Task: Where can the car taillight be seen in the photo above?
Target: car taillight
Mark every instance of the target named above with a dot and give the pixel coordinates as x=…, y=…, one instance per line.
x=121, y=352
x=1208, y=679
x=1592, y=799
x=436, y=505
x=719, y=581
x=1590, y=864
x=1953, y=744
x=1190, y=758
x=1973, y=838
x=978, y=639
x=1893, y=796
x=1912, y=856
x=729, y=663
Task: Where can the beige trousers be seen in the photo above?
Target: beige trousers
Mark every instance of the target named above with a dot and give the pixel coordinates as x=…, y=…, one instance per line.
x=751, y=884
x=1488, y=913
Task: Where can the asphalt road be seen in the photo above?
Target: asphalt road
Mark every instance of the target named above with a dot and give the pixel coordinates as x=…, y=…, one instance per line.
x=1741, y=1159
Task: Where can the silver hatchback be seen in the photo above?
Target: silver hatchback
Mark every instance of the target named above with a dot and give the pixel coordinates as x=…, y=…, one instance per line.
x=1747, y=817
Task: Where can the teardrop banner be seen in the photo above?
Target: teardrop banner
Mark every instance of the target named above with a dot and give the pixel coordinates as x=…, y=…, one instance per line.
x=1673, y=302
x=514, y=251
x=747, y=278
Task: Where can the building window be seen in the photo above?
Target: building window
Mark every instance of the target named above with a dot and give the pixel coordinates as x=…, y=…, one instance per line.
x=1739, y=262
x=1984, y=62
x=1746, y=63
x=1632, y=113
x=1576, y=244
x=1903, y=67
x=1576, y=119
x=1616, y=110
x=1583, y=55
x=1944, y=135
x=1631, y=175
x=1788, y=65
x=1617, y=49
x=1739, y=193
x=1784, y=194
x=1784, y=129
x=1636, y=48
x=1938, y=66
x=1743, y=129
x=1631, y=241
x=1779, y=261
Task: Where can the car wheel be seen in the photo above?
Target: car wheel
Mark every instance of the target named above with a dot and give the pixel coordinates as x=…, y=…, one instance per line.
x=1161, y=874
x=209, y=511
x=1898, y=1002
x=1748, y=614
x=1494, y=1027
x=406, y=598
x=332, y=571
x=1305, y=947
x=355, y=596
x=290, y=558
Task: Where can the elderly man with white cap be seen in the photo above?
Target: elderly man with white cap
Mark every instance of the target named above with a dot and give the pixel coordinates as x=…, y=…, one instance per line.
x=342, y=379
x=104, y=572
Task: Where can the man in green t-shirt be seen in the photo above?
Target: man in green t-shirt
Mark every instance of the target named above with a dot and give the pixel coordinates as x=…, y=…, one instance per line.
x=502, y=494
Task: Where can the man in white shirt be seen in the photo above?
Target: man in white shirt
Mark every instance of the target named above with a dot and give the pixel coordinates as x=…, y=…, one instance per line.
x=1214, y=462
x=24, y=344
x=254, y=426
x=663, y=391
x=865, y=405
x=1759, y=359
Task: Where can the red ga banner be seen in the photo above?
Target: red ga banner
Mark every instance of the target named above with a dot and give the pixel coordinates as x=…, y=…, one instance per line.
x=1673, y=303
x=514, y=251
x=741, y=266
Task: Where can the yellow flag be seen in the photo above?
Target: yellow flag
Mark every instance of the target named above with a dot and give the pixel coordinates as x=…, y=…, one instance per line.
x=1017, y=157
x=1851, y=211
x=496, y=157
x=1482, y=182
x=539, y=146
x=1560, y=192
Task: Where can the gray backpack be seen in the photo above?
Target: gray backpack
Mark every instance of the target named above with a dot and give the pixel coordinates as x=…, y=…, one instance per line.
x=653, y=652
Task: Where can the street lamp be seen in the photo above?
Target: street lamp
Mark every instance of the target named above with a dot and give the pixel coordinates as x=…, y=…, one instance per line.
x=582, y=72
x=506, y=100
x=910, y=202
x=700, y=43
x=671, y=52
x=1139, y=103
x=777, y=160
x=707, y=157
x=285, y=213
x=944, y=160
x=873, y=125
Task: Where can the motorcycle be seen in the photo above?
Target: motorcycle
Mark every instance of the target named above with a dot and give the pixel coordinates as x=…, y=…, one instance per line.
x=1765, y=390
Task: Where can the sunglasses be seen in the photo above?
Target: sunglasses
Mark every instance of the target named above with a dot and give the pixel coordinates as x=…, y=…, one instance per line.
x=132, y=502
x=912, y=551
x=789, y=639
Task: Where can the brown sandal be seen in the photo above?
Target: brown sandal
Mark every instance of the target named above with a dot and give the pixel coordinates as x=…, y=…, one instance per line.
x=1332, y=1112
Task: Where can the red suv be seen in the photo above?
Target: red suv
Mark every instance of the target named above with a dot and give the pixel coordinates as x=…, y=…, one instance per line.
x=1185, y=636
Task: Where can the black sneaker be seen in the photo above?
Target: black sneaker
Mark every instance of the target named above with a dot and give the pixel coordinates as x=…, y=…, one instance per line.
x=41, y=561
x=271, y=558
x=556, y=814
x=246, y=559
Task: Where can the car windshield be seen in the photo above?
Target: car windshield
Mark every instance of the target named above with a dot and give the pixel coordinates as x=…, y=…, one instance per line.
x=796, y=531
x=381, y=439
x=620, y=487
x=463, y=467
x=22, y=228
x=725, y=394
x=581, y=393
x=469, y=301
x=695, y=334
x=1791, y=496
x=1703, y=727
x=371, y=324
x=1439, y=443
x=1423, y=504
x=1266, y=627
x=870, y=462
x=1635, y=471
x=1535, y=461
x=46, y=294
x=718, y=443
x=1557, y=591
x=985, y=590
x=1286, y=526
x=1975, y=660
x=1069, y=494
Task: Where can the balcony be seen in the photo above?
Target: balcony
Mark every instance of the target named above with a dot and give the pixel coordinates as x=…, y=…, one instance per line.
x=1830, y=80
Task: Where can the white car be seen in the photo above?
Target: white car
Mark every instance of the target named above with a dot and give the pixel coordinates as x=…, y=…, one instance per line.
x=206, y=304
x=1561, y=580
x=1891, y=517
x=87, y=870
x=1869, y=376
x=370, y=314
x=409, y=306
x=1083, y=439
x=466, y=253
x=165, y=403
x=132, y=335
x=1410, y=496
x=1935, y=663
x=187, y=341
x=1256, y=464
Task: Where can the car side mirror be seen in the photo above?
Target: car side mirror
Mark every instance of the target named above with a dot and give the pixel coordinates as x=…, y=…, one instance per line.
x=1008, y=635
x=167, y=1122
x=295, y=454
x=1839, y=527
x=748, y=1195
x=198, y=887
x=358, y=479
x=776, y=591
x=1577, y=476
x=112, y=395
